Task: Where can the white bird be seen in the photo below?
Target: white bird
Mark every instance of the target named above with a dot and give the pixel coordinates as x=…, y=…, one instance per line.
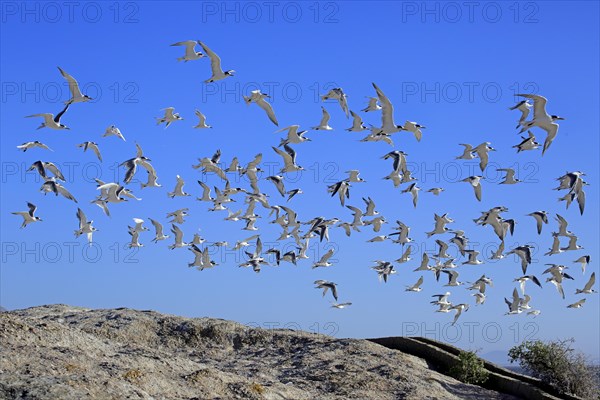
x=28, y=216
x=293, y=136
x=178, y=237
x=475, y=181
x=340, y=305
x=414, y=128
x=414, y=191
x=339, y=95
x=113, y=131
x=324, y=124
x=325, y=285
x=499, y=253
x=342, y=188
x=93, y=146
x=481, y=284
x=133, y=163
x=443, y=248
x=293, y=192
x=435, y=191
x=357, y=123
x=523, y=280
x=572, y=244
x=459, y=309
x=152, y=180
x=509, y=179
x=587, y=288
x=43, y=167
x=215, y=65
x=524, y=253
x=244, y=243
x=482, y=152
x=30, y=145
x=541, y=119
x=201, y=258
x=85, y=226
x=135, y=242
x=205, y=192
x=212, y=165
x=584, y=260
x=169, y=117
x=50, y=121
x=380, y=238
x=405, y=257
x=442, y=299
x=289, y=159
x=514, y=306
x=424, y=266
x=399, y=158
x=527, y=143
x=378, y=137
x=577, y=304
x=452, y=278
x=555, y=249
x=201, y=120
x=178, y=191
x=139, y=225
x=524, y=302
x=524, y=106
x=372, y=105
x=541, y=217
x=51, y=186
x=178, y=215
x=110, y=192
x=259, y=98
x=324, y=261
x=440, y=224
x=158, y=228
x=76, y=95
x=416, y=287
x=557, y=278
x=472, y=258
x=277, y=180
x=384, y=269
x=190, y=50
x=562, y=226
x=376, y=223
x=387, y=114
x=479, y=298
x=467, y=153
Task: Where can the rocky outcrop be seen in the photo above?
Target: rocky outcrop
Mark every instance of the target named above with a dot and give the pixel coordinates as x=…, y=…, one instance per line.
x=63, y=352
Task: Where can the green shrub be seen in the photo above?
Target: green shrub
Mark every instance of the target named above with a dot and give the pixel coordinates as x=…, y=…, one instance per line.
x=557, y=364
x=469, y=368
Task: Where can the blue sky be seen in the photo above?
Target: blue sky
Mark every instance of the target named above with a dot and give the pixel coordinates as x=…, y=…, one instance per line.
x=453, y=69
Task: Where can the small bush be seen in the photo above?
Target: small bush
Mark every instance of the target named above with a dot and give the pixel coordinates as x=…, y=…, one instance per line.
x=557, y=364
x=133, y=375
x=469, y=368
x=257, y=388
